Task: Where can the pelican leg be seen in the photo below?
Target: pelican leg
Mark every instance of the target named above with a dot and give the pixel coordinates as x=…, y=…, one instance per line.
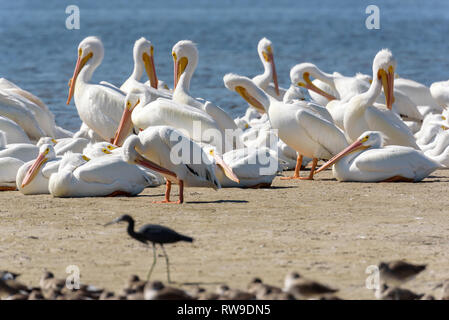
x=297, y=169
x=154, y=262
x=181, y=192
x=312, y=170
x=168, y=184
x=167, y=264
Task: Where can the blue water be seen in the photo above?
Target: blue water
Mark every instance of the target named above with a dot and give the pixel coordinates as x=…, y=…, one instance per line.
x=38, y=53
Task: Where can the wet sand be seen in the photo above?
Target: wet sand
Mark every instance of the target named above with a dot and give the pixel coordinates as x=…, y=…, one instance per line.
x=327, y=230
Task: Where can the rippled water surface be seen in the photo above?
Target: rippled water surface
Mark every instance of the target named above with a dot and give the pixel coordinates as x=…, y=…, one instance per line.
x=38, y=52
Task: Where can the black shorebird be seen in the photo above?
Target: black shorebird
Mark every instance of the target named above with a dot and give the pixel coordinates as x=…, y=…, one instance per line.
x=156, y=234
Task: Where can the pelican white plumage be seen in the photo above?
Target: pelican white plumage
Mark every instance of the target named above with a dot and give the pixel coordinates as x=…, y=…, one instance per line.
x=143, y=55
x=298, y=124
x=417, y=92
x=176, y=157
x=360, y=115
x=63, y=145
x=196, y=123
x=185, y=59
x=33, y=176
x=8, y=167
x=16, y=96
x=104, y=176
x=13, y=132
x=254, y=167
x=268, y=80
x=440, y=92
x=22, y=151
x=99, y=106
x=367, y=160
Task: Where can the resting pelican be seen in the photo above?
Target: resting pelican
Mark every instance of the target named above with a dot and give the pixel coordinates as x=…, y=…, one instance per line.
x=99, y=106
x=360, y=114
x=196, y=123
x=440, y=92
x=268, y=80
x=417, y=92
x=143, y=54
x=22, y=151
x=180, y=160
x=298, y=124
x=13, y=132
x=99, y=177
x=254, y=167
x=185, y=60
x=366, y=160
x=8, y=168
x=33, y=176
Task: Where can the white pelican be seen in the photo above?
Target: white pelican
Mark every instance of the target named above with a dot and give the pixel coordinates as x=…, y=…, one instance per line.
x=366, y=160
x=268, y=80
x=254, y=167
x=99, y=177
x=143, y=55
x=196, y=123
x=22, y=151
x=360, y=114
x=345, y=89
x=99, y=106
x=13, y=132
x=13, y=108
x=298, y=124
x=8, y=168
x=440, y=92
x=33, y=176
x=185, y=60
x=41, y=112
x=173, y=155
x=63, y=145
x=417, y=92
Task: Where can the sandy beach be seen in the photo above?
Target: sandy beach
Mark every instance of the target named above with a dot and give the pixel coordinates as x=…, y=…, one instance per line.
x=327, y=230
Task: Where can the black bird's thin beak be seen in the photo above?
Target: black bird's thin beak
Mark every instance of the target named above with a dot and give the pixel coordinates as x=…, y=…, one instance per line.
x=109, y=223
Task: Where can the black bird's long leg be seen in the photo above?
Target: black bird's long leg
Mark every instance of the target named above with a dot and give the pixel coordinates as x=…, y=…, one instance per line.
x=167, y=263
x=154, y=262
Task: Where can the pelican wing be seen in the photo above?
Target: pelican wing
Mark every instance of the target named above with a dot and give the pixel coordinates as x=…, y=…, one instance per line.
x=391, y=125
x=196, y=164
x=323, y=132
x=50, y=168
x=396, y=160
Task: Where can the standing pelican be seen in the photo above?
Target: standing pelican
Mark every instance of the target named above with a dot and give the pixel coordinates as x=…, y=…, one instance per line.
x=298, y=124
x=185, y=59
x=33, y=176
x=366, y=160
x=173, y=155
x=360, y=114
x=99, y=106
x=268, y=80
x=143, y=55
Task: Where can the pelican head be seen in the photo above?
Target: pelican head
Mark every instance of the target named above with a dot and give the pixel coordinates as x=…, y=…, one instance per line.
x=300, y=76
x=46, y=152
x=143, y=52
x=72, y=160
x=125, y=126
x=185, y=56
x=369, y=139
x=384, y=66
x=265, y=50
x=248, y=90
x=90, y=50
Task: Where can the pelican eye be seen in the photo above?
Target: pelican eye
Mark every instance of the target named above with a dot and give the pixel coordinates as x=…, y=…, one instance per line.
x=106, y=151
x=443, y=117
x=301, y=84
x=80, y=52
x=174, y=55
x=444, y=127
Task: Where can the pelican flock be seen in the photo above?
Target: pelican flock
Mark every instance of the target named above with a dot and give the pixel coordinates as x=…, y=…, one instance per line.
x=141, y=133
